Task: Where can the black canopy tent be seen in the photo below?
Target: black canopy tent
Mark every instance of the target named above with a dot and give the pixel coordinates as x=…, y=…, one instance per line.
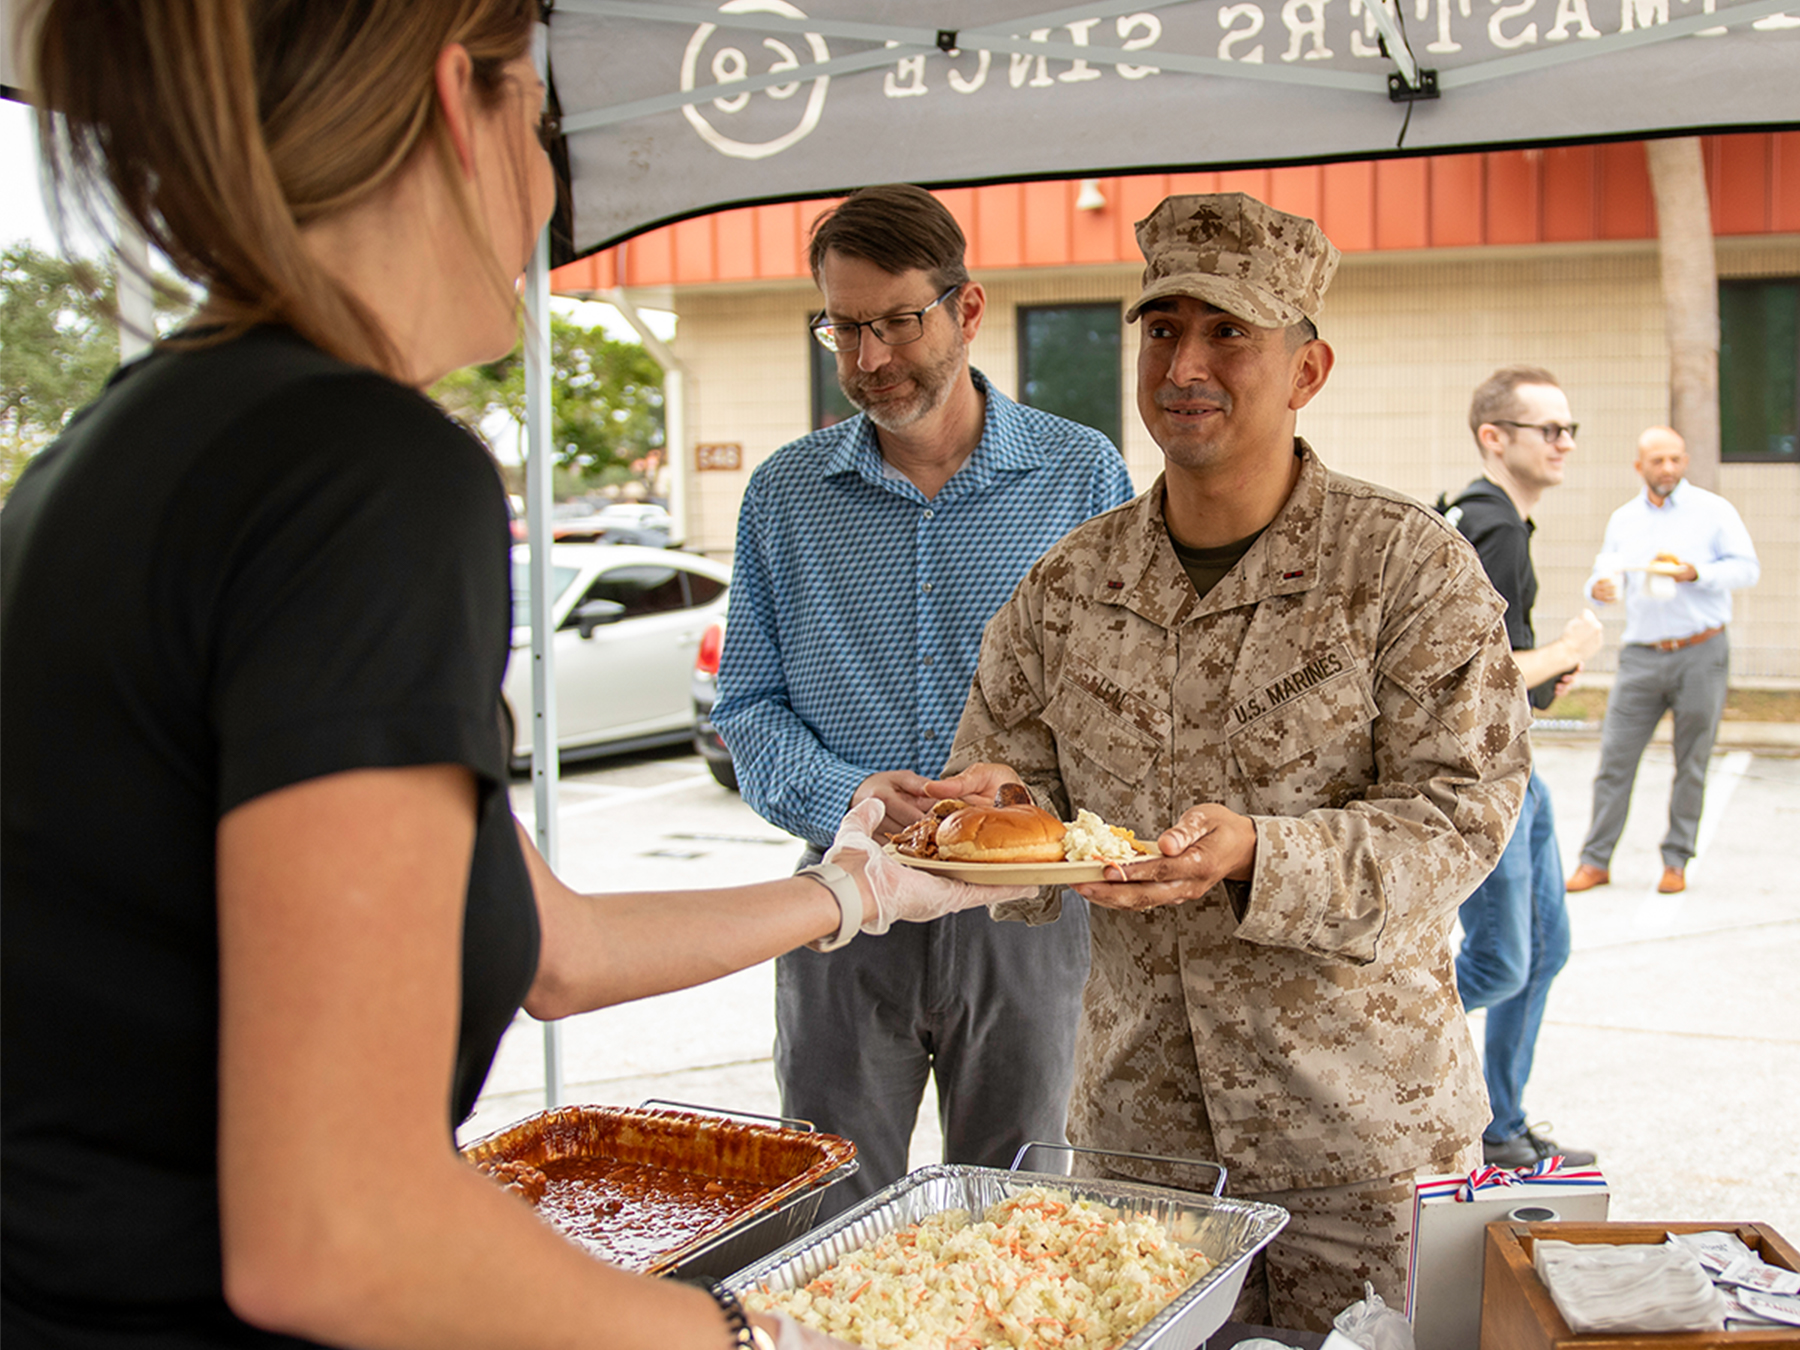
x=675, y=109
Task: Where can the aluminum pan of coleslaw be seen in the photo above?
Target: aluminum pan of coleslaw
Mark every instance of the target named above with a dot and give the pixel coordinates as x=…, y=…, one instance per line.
x=1229, y=1232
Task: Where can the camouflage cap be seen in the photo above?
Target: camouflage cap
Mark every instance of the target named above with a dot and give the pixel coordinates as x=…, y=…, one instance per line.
x=1230, y=250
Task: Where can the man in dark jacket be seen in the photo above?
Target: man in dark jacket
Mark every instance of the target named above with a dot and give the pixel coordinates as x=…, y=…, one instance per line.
x=1516, y=924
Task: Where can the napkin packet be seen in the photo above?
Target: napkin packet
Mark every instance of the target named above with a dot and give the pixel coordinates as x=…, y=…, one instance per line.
x=1635, y=1287
x=1757, y=1295
x=1707, y=1281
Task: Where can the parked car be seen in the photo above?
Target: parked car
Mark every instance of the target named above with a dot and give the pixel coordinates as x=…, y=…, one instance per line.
x=638, y=515
x=642, y=523
x=600, y=530
x=707, y=740
x=627, y=626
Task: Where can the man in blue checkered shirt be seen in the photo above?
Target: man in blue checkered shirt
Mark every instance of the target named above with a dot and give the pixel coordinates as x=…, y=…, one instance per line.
x=870, y=555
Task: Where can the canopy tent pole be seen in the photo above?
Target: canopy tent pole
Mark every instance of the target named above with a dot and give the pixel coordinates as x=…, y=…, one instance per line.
x=545, y=769
x=539, y=473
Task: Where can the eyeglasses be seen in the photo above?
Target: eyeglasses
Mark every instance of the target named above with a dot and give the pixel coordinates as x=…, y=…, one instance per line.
x=549, y=129
x=1552, y=432
x=893, y=330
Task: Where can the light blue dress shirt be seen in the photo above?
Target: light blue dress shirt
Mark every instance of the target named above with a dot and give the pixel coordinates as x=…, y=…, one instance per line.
x=857, y=605
x=1697, y=526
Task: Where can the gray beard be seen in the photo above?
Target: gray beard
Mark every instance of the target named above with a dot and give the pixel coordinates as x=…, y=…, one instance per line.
x=931, y=389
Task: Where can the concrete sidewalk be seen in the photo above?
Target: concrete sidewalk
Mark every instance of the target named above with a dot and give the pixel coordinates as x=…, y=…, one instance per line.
x=1671, y=1045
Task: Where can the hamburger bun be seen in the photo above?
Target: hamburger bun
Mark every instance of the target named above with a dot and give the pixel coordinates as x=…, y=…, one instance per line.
x=1019, y=832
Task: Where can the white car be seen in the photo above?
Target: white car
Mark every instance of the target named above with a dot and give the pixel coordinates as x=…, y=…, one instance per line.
x=627, y=623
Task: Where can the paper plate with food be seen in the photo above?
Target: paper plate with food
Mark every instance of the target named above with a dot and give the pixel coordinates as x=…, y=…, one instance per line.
x=1662, y=565
x=1014, y=842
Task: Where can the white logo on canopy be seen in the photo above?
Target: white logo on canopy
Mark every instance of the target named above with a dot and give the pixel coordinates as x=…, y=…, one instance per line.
x=729, y=64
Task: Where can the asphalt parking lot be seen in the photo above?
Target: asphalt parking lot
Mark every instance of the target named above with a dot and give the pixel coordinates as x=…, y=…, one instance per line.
x=1671, y=1045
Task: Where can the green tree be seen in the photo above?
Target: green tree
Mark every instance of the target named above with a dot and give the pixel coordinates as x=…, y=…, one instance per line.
x=606, y=399
x=59, y=340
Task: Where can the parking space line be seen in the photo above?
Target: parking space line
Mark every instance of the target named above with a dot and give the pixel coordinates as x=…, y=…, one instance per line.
x=1656, y=916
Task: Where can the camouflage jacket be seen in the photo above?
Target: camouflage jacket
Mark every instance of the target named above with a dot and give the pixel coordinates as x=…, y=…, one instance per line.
x=1349, y=685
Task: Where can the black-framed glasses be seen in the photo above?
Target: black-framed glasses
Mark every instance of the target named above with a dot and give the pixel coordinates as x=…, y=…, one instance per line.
x=893, y=330
x=1552, y=432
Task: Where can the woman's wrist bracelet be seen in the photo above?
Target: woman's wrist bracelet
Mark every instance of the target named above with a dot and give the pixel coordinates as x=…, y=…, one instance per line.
x=743, y=1335
x=849, y=899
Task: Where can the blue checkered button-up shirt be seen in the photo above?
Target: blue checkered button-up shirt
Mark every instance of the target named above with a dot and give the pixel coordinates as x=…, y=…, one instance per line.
x=857, y=604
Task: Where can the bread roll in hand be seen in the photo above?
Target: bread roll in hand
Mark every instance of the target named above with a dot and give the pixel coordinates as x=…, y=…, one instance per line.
x=1013, y=830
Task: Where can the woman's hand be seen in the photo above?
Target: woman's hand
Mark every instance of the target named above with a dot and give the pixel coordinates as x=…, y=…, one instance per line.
x=892, y=890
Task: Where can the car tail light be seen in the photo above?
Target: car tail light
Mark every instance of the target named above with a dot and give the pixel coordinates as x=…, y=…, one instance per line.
x=712, y=643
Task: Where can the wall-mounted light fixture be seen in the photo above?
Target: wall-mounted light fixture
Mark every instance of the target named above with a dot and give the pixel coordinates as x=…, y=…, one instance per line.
x=1089, y=198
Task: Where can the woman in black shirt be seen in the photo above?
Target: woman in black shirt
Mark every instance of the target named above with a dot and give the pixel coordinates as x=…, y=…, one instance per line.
x=267, y=914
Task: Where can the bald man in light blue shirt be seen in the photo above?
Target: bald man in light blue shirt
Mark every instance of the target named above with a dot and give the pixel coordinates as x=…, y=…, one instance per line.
x=1673, y=554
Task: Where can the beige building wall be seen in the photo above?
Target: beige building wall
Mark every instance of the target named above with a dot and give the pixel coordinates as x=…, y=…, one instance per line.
x=1414, y=334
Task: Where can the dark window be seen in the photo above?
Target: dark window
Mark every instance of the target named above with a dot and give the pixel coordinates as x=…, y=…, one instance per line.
x=1069, y=363
x=829, y=406
x=641, y=589
x=1759, y=370
x=702, y=589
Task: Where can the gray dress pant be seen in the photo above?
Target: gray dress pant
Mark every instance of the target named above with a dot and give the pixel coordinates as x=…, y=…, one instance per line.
x=1691, y=683
x=990, y=1009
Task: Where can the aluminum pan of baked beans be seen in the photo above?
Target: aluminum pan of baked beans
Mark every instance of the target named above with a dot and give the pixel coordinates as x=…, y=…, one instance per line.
x=665, y=1191
x=1227, y=1232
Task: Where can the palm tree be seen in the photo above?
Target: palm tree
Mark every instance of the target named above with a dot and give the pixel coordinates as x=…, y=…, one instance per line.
x=1690, y=284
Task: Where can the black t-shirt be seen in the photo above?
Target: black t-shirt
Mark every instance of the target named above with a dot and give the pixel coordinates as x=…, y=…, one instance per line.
x=242, y=567
x=1488, y=519
x=1207, y=567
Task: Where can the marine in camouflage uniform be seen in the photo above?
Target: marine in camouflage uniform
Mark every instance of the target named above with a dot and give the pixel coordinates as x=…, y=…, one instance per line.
x=1346, y=691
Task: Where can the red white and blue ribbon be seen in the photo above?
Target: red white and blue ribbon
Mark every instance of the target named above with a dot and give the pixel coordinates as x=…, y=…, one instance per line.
x=1545, y=1172
x=1484, y=1181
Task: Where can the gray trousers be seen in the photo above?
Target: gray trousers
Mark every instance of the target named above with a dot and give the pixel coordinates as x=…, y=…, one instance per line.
x=1691, y=683
x=990, y=1009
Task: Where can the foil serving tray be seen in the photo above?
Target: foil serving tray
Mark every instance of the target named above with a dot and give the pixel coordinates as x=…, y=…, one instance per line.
x=1230, y=1233
x=795, y=1165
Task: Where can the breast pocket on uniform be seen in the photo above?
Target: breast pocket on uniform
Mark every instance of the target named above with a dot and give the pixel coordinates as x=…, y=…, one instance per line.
x=1312, y=749
x=1098, y=721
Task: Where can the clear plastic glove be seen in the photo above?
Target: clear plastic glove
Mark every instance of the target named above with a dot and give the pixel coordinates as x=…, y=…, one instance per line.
x=790, y=1335
x=899, y=891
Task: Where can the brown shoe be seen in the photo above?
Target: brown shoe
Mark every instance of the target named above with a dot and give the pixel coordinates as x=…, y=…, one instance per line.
x=1673, y=881
x=1586, y=877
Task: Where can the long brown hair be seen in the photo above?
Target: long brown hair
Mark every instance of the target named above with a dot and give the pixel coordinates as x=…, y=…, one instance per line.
x=221, y=127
